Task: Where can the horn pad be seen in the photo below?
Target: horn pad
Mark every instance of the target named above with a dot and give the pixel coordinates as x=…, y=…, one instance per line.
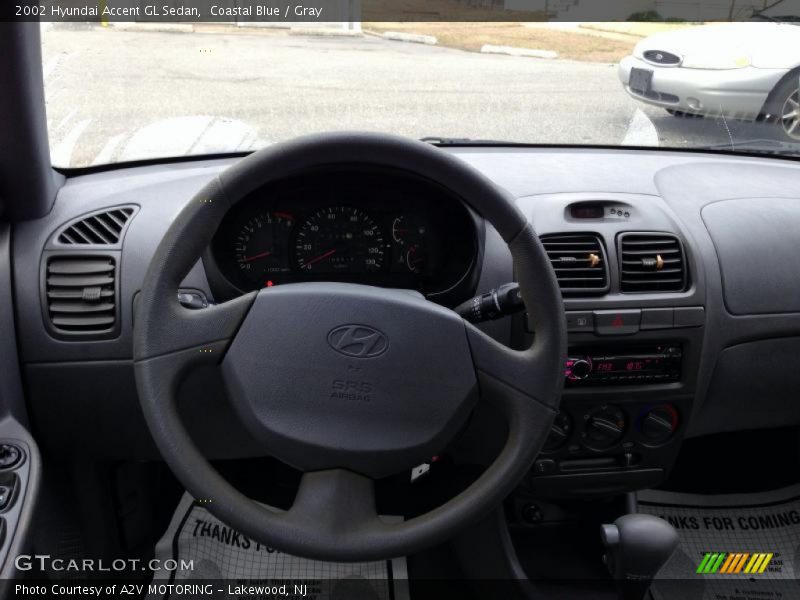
x=350, y=376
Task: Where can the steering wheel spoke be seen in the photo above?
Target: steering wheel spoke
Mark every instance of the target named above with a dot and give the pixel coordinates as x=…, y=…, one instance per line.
x=538, y=371
x=184, y=340
x=527, y=373
x=194, y=334
x=336, y=502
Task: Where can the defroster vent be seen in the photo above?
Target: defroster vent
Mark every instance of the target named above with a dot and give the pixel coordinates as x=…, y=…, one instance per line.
x=81, y=294
x=579, y=260
x=104, y=228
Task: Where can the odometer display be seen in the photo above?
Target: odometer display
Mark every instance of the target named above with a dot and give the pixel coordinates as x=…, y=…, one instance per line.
x=340, y=239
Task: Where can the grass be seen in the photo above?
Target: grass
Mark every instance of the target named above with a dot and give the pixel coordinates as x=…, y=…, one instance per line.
x=471, y=36
x=436, y=10
x=640, y=29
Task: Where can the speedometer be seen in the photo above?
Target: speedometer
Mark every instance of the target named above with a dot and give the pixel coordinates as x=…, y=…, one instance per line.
x=340, y=239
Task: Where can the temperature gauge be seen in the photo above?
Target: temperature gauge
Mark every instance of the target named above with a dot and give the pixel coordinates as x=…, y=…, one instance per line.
x=406, y=231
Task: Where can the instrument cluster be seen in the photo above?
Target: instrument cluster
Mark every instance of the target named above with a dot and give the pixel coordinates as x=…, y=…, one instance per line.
x=387, y=230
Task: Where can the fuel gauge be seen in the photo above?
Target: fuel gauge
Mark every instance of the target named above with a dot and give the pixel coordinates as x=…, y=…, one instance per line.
x=415, y=258
x=410, y=237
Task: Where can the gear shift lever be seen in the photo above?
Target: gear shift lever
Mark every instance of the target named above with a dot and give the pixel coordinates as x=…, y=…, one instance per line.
x=637, y=546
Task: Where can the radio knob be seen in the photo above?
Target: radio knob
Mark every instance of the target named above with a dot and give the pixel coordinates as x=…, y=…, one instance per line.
x=659, y=423
x=604, y=428
x=581, y=369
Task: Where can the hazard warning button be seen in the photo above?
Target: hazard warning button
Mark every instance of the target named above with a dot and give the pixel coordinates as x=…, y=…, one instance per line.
x=617, y=322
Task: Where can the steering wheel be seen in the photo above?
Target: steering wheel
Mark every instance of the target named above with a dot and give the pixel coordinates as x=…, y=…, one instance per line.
x=347, y=383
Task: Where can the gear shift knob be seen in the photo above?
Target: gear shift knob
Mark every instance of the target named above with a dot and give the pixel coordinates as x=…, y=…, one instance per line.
x=637, y=546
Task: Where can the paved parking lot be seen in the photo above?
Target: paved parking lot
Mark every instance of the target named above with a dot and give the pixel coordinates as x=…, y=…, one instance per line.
x=122, y=95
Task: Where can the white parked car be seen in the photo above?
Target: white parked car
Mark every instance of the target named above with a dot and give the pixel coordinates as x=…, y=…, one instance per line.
x=748, y=70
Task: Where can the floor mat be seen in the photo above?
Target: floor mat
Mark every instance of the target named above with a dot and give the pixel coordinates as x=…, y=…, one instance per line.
x=732, y=547
x=234, y=566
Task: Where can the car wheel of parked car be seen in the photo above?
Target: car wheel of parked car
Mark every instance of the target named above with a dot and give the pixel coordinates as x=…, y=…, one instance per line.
x=790, y=115
x=784, y=108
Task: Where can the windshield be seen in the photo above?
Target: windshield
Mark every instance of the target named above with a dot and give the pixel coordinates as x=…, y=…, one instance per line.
x=125, y=91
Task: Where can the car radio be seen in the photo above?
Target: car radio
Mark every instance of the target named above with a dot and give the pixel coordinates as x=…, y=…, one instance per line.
x=622, y=365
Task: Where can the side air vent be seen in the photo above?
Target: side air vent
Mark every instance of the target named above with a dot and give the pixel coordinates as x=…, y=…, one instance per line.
x=99, y=229
x=651, y=262
x=81, y=294
x=579, y=260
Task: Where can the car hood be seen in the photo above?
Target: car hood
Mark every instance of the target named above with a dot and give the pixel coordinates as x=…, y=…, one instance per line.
x=728, y=38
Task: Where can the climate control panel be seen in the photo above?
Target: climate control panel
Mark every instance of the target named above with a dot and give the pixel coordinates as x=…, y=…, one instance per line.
x=606, y=426
x=609, y=437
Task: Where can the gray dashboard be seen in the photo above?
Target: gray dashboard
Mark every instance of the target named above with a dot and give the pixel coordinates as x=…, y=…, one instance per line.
x=735, y=217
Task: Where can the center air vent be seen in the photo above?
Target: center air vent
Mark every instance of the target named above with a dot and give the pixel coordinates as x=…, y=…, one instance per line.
x=651, y=262
x=579, y=260
x=104, y=228
x=81, y=294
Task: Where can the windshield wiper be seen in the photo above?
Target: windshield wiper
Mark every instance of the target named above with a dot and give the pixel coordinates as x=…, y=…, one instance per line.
x=763, y=17
x=760, y=146
x=753, y=146
x=452, y=141
x=788, y=19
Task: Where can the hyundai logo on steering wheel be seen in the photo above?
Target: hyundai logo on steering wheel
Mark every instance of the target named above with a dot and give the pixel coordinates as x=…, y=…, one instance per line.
x=358, y=341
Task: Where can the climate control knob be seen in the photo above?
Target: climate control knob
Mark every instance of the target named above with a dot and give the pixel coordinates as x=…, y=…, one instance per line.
x=657, y=424
x=604, y=428
x=559, y=432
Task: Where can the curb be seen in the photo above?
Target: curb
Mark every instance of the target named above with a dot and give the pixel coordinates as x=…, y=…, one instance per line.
x=324, y=32
x=264, y=24
x=629, y=32
x=414, y=38
x=514, y=51
x=162, y=27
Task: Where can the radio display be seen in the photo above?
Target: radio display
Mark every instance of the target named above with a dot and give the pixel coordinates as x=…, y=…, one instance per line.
x=627, y=365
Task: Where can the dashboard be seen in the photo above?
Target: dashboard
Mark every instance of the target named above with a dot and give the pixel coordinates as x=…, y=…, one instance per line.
x=687, y=356
x=381, y=229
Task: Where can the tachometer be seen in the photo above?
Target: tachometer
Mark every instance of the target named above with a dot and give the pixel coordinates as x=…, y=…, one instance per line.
x=262, y=246
x=340, y=239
